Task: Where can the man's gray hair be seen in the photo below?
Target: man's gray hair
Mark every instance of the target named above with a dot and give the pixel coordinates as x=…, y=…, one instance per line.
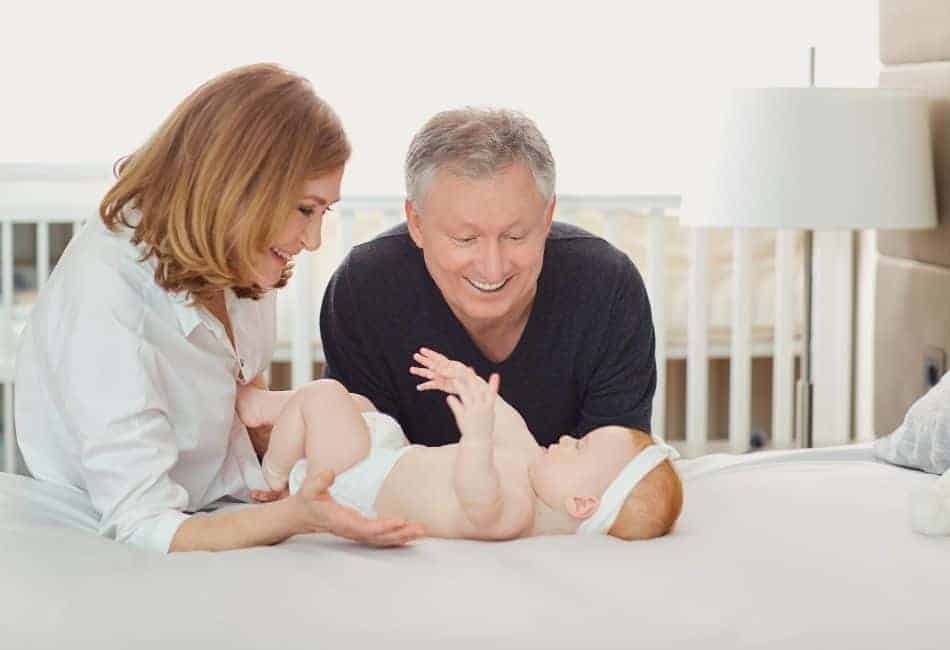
x=477, y=143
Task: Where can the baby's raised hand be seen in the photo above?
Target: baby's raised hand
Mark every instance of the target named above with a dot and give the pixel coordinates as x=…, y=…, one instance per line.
x=471, y=398
x=441, y=372
x=474, y=407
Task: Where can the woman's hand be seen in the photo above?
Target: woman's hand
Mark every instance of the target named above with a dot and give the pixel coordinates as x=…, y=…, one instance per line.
x=322, y=514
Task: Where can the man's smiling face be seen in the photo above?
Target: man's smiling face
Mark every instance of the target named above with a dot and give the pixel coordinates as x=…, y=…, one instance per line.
x=483, y=241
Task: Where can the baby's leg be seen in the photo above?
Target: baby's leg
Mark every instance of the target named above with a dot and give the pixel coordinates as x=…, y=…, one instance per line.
x=259, y=407
x=322, y=423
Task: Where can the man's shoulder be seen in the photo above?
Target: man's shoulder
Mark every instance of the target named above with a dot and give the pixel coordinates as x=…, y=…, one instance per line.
x=388, y=244
x=579, y=253
x=377, y=260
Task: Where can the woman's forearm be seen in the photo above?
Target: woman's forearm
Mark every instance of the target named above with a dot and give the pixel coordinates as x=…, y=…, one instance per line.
x=256, y=525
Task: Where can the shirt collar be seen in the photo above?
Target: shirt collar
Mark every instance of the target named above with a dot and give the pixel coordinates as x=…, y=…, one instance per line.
x=187, y=313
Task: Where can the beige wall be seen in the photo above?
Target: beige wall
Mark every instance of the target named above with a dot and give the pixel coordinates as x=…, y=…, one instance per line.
x=912, y=276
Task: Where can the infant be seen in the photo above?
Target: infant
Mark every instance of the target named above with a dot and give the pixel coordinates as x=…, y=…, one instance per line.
x=495, y=483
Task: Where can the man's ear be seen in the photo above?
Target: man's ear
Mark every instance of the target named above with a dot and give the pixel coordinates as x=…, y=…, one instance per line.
x=413, y=222
x=581, y=507
x=549, y=213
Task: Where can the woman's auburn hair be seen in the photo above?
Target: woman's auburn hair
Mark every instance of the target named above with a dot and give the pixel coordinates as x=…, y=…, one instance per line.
x=219, y=179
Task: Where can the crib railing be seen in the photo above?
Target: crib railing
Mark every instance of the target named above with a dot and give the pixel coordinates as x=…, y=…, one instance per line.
x=639, y=224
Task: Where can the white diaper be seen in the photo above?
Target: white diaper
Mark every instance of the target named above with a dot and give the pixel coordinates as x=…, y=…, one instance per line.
x=359, y=486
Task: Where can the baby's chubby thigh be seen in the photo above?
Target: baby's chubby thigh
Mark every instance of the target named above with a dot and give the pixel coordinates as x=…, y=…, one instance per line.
x=336, y=434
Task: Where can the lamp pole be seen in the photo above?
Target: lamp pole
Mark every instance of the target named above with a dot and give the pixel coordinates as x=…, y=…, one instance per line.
x=804, y=420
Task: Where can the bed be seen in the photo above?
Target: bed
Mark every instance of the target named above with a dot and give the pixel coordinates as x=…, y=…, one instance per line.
x=785, y=549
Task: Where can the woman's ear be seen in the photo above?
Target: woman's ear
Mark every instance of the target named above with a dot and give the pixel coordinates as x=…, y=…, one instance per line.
x=581, y=507
x=412, y=221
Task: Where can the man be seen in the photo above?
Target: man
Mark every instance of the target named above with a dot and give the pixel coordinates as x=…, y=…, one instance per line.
x=479, y=273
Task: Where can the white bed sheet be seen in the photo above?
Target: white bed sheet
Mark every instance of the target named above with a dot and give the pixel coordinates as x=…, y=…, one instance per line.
x=779, y=550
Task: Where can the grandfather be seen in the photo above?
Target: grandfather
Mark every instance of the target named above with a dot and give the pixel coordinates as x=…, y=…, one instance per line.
x=481, y=274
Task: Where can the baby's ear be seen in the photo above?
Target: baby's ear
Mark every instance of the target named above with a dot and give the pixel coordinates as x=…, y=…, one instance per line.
x=581, y=507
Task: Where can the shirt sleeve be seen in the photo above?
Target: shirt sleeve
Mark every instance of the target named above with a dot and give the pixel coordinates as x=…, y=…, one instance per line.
x=112, y=392
x=348, y=348
x=621, y=387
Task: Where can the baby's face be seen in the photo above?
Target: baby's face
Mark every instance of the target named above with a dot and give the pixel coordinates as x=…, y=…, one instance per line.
x=579, y=468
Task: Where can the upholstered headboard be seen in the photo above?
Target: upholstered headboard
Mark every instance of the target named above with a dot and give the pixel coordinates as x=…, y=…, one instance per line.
x=912, y=284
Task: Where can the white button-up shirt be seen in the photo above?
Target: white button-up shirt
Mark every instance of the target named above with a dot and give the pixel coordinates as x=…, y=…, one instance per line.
x=127, y=393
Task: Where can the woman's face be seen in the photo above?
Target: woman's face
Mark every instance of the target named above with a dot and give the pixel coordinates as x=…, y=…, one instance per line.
x=302, y=230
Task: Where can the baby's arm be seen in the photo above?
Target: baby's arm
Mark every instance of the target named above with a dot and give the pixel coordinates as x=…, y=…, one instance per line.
x=477, y=483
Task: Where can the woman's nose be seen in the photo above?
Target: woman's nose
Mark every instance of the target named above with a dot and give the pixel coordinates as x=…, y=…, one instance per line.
x=310, y=238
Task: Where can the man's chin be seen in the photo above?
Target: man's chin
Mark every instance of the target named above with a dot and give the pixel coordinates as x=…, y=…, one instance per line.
x=485, y=312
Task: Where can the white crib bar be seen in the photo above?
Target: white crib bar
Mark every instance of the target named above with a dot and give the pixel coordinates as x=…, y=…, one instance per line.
x=6, y=323
x=305, y=328
x=740, y=362
x=42, y=253
x=392, y=217
x=611, y=229
x=656, y=289
x=6, y=267
x=783, y=357
x=347, y=219
x=697, y=355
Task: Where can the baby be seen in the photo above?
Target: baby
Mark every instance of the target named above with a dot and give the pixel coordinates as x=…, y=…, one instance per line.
x=495, y=483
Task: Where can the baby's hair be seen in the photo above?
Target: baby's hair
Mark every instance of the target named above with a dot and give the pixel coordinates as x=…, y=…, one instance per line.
x=653, y=506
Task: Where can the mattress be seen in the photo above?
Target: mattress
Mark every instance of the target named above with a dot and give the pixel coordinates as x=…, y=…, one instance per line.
x=776, y=549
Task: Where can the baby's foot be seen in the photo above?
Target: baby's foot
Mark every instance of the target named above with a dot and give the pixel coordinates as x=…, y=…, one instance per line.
x=276, y=478
x=251, y=403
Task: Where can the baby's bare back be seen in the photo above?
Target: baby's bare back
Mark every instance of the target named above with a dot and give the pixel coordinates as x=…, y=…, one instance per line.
x=421, y=488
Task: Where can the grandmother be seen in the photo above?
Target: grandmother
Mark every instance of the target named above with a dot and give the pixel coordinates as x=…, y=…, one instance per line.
x=156, y=313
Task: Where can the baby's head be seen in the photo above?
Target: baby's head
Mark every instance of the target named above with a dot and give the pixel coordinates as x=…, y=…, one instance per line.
x=572, y=476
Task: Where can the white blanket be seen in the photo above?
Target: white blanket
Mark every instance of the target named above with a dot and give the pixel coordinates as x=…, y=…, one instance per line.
x=779, y=550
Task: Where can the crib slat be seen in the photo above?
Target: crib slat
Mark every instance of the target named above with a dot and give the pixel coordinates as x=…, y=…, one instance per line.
x=7, y=346
x=697, y=355
x=9, y=439
x=783, y=357
x=740, y=365
x=656, y=289
x=392, y=218
x=42, y=253
x=6, y=267
x=304, y=330
x=347, y=223
x=611, y=228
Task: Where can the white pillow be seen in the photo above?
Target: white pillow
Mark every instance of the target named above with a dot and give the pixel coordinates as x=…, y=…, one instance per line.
x=922, y=441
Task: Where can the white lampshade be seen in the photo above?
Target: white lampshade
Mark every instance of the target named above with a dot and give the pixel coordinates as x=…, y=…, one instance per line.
x=817, y=158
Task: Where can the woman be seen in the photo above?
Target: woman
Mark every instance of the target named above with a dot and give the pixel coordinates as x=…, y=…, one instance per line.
x=128, y=370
